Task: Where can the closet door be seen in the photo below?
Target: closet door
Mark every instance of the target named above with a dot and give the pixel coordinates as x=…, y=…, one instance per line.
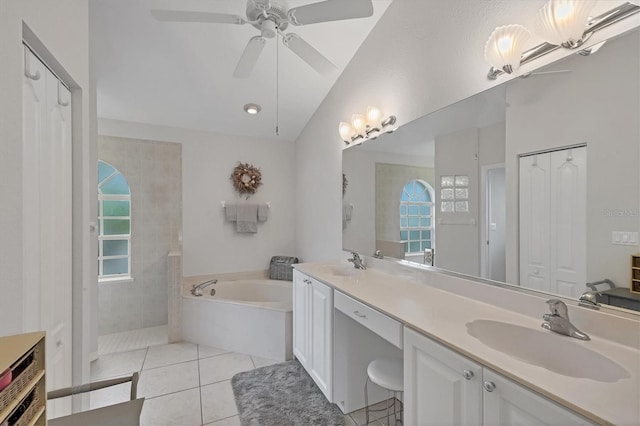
x=568, y=224
x=534, y=221
x=48, y=215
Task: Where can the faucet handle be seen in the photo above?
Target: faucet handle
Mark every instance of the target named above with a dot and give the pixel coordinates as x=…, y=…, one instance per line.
x=558, y=307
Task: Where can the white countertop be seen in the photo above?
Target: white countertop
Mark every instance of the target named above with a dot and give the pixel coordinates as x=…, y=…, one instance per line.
x=442, y=316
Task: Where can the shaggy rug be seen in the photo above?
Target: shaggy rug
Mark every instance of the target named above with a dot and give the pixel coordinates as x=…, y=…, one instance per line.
x=282, y=395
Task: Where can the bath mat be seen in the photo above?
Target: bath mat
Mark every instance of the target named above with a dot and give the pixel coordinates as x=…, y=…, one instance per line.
x=282, y=395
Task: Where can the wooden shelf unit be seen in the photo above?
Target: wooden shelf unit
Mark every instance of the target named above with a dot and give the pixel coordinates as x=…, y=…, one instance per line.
x=24, y=400
x=635, y=273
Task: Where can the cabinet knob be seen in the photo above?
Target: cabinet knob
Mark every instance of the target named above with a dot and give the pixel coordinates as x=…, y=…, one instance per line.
x=358, y=314
x=489, y=386
x=467, y=374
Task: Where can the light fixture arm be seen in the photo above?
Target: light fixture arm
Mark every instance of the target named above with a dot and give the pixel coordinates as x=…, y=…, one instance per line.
x=604, y=20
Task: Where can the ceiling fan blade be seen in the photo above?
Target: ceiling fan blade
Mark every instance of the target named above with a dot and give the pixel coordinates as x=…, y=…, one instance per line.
x=249, y=57
x=330, y=10
x=187, y=16
x=308, y=54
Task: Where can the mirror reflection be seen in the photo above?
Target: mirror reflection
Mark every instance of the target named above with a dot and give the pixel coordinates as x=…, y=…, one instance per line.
x=534, y=182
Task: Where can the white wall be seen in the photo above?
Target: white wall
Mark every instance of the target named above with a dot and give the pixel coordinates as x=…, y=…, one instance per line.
x=612, y=136
x=211, y=245
x=421, y=56
x=59, y=33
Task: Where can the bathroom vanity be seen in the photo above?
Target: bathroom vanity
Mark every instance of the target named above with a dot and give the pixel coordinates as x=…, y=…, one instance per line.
x=467, y=359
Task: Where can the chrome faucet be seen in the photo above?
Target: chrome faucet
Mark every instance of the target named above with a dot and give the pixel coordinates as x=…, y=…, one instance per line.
x=357, y=261
x=558, y=320
x=589, y=299
x=196, y=290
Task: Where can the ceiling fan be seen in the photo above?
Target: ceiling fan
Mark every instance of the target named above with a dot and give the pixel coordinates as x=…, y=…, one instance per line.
x=272, y=18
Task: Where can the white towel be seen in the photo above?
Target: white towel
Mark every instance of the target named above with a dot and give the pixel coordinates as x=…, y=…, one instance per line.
x=263, y=212
x=247, y=218
x=230, y=212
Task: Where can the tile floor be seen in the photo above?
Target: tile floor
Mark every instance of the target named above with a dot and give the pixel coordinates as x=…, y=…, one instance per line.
x=134, y=339
x=184, y=384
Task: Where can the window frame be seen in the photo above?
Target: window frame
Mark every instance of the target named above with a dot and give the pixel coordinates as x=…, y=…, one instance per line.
x=431, y=228
x=102, y=278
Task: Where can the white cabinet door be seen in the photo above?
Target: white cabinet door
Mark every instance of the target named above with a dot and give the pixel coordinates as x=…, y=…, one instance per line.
x=301, y=330
x=322, y=336
x=441, y=387
x=313, y=329
x=511, y=404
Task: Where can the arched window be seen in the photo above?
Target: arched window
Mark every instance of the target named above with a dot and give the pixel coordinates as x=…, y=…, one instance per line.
x=114, y=224
x=416, y=217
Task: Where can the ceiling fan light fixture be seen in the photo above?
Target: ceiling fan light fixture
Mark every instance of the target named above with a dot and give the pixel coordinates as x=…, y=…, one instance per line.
x=252, y=109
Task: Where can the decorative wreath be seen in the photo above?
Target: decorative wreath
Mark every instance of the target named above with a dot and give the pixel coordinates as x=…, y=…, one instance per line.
x=345, y=183
x=246, y=178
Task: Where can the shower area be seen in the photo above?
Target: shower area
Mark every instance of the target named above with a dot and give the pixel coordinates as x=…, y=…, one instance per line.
x=139, y=223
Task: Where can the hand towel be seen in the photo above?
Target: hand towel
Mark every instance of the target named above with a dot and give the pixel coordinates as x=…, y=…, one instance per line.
x=263, y=212
x=230, y=212
x=247, y=218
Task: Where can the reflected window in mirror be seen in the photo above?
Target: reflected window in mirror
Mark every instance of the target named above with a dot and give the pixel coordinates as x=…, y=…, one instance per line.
x=416, y=217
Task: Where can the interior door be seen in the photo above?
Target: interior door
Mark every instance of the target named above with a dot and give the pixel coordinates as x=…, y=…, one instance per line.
x=496, y=224
x=568, y=227
x=534, y=221
x=48, y=215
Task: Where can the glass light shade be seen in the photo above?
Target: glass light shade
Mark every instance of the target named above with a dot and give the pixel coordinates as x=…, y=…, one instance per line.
x=346, y=131
x=359, y=123
x=374, y=115
x=504, y=48
x=563, y=21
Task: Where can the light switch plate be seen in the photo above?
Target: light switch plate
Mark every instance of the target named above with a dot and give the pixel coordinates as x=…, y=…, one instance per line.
x=624, y=238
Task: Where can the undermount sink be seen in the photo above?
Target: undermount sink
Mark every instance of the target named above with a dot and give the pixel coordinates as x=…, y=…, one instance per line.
x=551, y=351
x=342, y=270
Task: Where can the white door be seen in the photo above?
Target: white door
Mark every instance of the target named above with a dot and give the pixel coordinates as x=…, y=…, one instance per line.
x=510, y=404
x=534, y=221
x=301, y=330
x=568, y=227
x=322, y=337
x=441, y=387
x=553, y=205
x=495, y=224
x=48, y=215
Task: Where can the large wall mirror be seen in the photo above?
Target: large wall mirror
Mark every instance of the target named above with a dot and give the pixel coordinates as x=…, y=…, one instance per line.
x=534, y=183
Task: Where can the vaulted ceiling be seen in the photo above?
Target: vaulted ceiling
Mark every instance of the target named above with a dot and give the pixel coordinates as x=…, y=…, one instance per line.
x=181, y=74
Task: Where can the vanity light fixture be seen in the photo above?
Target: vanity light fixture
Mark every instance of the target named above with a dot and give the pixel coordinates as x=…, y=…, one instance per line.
x=561, y=23
x=252, y=109
x=363, y=126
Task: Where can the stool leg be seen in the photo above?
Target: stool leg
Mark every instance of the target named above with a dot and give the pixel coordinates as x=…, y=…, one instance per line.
x=388, y=413
x=366, y=401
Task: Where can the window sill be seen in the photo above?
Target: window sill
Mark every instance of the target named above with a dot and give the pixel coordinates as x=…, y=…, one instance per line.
x=115, y=280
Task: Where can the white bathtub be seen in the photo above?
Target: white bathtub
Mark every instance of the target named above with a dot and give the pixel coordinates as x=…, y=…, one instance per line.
x=247, y=316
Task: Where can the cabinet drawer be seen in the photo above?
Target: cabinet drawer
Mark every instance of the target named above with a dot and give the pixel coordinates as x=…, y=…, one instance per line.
x=385, y=327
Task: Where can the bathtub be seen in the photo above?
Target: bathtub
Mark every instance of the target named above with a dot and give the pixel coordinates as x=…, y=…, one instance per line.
x=248, y=316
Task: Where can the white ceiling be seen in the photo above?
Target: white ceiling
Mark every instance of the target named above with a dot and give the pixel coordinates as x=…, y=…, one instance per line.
x=180, y=74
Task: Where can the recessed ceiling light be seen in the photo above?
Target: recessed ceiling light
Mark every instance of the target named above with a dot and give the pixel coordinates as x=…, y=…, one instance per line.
x=252, y=109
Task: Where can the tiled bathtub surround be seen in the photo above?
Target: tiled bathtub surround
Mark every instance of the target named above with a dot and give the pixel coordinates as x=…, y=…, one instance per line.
x=154, y=173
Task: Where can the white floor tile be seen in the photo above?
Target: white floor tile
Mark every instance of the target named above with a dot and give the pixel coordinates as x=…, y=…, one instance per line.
x=348, y=421
x=360, y=415
x=181, y=408
x=217, y=401
x=162, y=355
x=172, y=378
x=109, y=396
x=208, y=351
x=119, y=364
x=263, y=362
x=131, y=340
x=223, y=367
x=229, y=421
